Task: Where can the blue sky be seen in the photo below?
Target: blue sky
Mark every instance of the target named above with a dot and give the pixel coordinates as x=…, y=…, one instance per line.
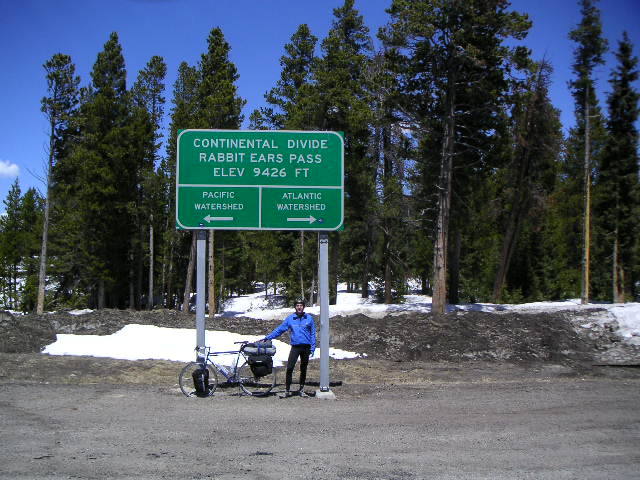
x=31, y=31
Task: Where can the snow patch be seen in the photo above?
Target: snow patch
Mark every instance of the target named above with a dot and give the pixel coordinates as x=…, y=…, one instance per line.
x=141, y=342
x=136, y=342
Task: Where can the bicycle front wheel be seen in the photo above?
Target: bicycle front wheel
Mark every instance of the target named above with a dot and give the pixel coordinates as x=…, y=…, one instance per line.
x=256, y=386
x=186, y=381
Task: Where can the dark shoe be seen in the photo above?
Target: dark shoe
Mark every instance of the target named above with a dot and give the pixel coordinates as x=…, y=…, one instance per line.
x=302, y=393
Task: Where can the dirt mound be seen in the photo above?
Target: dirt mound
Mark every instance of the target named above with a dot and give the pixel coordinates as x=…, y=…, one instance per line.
x=457, y=336
x=468, y=336
x=19, y=334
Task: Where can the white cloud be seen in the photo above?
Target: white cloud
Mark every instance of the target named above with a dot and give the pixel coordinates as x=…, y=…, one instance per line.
x=8, y=169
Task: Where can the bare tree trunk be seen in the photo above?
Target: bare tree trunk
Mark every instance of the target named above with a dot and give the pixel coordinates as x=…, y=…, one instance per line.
x=151, y=256
x=14, y=287
x=311, y=299
x=169, y=288
x=387, y=173
x=388, y=293
x=163, y=279
x=212, y=274
x=101, y=294
x=508, y=244
x=618, y=273
x=188, y=284
x=140, y=265
x=132, y=296
x=43, y=258
x=381, y=156
x=42, y=273
x=424, y=284
x=454, y=276
x=522, y=188
x=586, y=249
x=512, y=232
x=167, y=254
x=439, y=301
x=366, y=265
x=222, y=276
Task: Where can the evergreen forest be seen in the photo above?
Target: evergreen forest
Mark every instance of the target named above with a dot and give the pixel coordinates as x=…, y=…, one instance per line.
x=459, y=177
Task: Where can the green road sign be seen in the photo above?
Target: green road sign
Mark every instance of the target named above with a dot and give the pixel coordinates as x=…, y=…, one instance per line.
x=259, y=180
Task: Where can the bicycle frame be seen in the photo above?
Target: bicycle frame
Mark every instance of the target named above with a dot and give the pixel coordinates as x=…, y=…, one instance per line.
x=230, y=373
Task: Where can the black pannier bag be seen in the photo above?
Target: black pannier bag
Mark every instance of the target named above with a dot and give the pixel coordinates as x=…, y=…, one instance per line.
x=261, y=365
x=201, y=382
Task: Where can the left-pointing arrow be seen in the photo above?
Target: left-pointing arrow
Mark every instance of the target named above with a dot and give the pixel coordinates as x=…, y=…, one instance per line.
x=209, y=218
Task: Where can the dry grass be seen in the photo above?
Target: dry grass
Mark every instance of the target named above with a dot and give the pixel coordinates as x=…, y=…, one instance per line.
x=364, y=372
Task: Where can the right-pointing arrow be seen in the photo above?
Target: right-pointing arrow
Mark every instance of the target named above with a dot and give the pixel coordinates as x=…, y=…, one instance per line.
x=309, y=219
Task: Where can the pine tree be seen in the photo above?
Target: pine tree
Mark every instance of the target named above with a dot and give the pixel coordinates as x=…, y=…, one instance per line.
x=451, y=62
x=148, y=105
x=59, y=107
x=11, y=245
x=31, y=210
x=148, y=93
x=220, y=107
x=20, y=229
x=177, y=245
x=99, y=182
x=295, y=75
x=588, y=136
x=283, y=111
x=537, y=136
x=617, y=201
x=340, y=101
x=390, y=148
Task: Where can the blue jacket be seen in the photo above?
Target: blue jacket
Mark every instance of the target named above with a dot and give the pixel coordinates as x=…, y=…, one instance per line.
x=302, y=330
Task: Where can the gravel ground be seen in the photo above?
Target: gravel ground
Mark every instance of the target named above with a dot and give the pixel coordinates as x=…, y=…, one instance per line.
x=537, y=429
x=460, y=396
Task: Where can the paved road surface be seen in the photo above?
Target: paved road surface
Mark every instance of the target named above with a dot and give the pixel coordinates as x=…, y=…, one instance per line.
x=557, y=429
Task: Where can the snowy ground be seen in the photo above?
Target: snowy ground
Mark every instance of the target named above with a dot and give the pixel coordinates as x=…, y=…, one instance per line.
x=136, y=342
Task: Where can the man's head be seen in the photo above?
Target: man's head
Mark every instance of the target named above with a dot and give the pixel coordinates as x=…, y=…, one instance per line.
x=299, y=305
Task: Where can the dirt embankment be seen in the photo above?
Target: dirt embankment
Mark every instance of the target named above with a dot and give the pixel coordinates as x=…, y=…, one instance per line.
x=457, y=336
x=411, y=348
x=472, y=336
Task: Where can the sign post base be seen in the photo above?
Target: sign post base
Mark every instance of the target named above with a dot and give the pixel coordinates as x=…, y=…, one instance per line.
x=325, y=395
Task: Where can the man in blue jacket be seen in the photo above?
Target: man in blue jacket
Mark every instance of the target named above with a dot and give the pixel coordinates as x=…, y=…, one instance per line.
x=302, y=331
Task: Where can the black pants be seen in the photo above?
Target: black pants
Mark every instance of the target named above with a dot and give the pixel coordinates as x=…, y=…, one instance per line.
x=303, y=352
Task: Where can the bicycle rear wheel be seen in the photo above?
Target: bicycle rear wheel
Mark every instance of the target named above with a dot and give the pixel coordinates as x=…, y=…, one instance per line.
x=256, y=386
x=185, y=379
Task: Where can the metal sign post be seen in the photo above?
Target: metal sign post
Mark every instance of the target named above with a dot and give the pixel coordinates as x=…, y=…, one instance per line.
x=323, y=278
x=201, y=246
